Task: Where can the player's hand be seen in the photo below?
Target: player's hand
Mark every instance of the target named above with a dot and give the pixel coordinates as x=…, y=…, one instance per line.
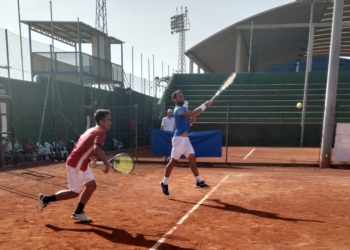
x=208, y=103
x=106, y=168
x=93, y=161
x=192, y=120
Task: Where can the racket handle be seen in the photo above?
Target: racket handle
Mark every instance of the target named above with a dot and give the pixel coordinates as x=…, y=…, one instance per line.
x=212, y=99
x=101, y=162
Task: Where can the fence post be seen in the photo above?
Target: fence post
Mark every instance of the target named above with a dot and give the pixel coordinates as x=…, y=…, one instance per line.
x=91, y=101
x=52, y=81
x=136, y=134
x=227, y=119
x=9, y=89
x=8, y=63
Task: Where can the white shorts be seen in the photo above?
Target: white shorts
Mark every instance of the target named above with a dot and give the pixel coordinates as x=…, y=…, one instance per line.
x=78, y=178
x=181, y=146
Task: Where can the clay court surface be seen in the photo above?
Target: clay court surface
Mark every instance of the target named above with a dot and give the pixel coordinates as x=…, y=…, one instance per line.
x=249, y=155
x=246, y=208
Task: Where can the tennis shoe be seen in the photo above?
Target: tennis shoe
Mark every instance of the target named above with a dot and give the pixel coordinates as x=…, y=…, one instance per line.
x=164, y=188
x=82, y=217
x=41, y=204
x=202, y=184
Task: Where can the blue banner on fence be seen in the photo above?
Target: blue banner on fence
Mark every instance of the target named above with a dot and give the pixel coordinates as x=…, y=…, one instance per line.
x=205, y=143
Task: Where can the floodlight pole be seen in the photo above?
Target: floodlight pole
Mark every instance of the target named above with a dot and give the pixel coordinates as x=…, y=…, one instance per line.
x=332, y=82
x=307, y=70
x=180, y=24
x=101, y=16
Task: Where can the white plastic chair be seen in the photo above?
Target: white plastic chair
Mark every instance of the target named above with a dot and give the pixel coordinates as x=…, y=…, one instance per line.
x=62, y=151
x=117, y=144
x=51, y=149
x=43, y=152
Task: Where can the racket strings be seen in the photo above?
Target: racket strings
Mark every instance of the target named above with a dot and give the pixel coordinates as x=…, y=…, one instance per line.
x=123, y=164
x=228, y=81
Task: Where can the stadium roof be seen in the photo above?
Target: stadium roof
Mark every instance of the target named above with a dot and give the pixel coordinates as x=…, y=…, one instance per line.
x=67, y=32
x=279, y=35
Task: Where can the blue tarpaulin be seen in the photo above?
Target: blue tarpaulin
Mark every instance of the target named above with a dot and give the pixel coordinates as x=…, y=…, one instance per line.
x=205, y=143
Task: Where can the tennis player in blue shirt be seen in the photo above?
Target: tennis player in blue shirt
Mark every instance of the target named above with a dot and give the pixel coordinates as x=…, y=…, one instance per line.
x=181, y=144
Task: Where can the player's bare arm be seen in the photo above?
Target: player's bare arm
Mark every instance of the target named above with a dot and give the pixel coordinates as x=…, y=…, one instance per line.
x=101, y=155
x=198, y=110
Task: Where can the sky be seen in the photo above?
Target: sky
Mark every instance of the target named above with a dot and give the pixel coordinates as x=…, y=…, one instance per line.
x=143, y=25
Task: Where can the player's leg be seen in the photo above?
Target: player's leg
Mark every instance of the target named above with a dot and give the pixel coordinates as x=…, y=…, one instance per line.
x=90, y=187
x=164, y=184
x=193, y=164
x=74, y=184
x=189, y=153
x=176, y=152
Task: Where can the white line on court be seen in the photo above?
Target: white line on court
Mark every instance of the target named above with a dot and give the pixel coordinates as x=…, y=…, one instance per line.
x=249, y=154
x=186, y=215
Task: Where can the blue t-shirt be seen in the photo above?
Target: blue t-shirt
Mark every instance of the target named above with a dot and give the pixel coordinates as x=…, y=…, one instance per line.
x=182, y=123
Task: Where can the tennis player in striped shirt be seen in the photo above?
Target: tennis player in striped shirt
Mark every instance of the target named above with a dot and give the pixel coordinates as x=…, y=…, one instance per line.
x=78, y=171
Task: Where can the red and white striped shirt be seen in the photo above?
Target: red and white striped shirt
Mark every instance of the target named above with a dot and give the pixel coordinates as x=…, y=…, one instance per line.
x=84, y=149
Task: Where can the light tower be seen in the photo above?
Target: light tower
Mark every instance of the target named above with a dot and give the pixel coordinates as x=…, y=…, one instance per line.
x=180, y=24
x=101, y=16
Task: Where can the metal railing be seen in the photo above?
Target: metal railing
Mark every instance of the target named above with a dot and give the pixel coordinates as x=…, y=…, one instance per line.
x=67, y=67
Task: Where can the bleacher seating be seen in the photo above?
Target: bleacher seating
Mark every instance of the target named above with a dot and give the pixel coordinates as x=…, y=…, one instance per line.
x=256, y=101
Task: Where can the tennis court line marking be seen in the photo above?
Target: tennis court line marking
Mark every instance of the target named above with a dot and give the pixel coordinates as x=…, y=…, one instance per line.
x=249, y=154
x=155, y=246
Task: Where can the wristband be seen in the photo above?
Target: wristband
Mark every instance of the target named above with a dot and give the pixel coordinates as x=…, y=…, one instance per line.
x=203, y=107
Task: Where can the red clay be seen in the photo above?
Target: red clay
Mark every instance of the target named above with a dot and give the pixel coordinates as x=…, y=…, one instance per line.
x=254, y=208
x=247, y=155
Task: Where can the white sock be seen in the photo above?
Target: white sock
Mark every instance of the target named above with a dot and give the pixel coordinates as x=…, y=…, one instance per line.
x=198, y=178
x=165, y=180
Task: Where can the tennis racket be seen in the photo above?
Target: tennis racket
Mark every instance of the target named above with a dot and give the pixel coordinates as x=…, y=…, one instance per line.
x=121, y=163
x=229, y=80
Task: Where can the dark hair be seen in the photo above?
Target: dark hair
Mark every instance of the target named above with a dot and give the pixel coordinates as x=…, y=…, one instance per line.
x=100, y=114
x=174, y=95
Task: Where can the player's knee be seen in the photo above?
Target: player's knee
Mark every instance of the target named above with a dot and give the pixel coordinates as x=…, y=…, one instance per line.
x=91, y=185
x=191, y=157
x=75, y=194
x=173, y=161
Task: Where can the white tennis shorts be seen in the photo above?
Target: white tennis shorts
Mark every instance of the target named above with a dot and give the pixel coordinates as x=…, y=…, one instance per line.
x=78, y=178
x=181, y=146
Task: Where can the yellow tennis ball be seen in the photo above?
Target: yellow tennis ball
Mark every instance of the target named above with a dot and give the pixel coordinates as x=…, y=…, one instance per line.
x=55, y=160
x=299, y=105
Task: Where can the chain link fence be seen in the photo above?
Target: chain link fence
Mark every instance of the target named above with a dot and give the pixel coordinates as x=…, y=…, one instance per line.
x=66, y=66
x=257, y=116
x=16, y=57
x=259, y=134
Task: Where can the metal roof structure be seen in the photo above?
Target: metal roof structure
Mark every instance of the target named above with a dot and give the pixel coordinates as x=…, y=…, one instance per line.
x=67, y=32
x=279, y=35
